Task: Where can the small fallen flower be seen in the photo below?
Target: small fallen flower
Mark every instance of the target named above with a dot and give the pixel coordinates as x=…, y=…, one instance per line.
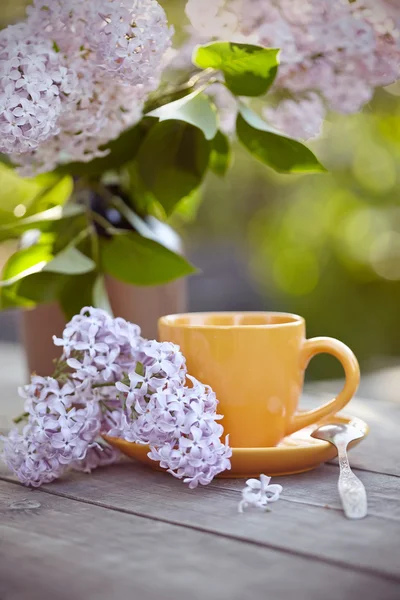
x=258, y=493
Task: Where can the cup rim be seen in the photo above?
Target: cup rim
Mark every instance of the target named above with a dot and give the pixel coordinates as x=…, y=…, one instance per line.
x=171, y=320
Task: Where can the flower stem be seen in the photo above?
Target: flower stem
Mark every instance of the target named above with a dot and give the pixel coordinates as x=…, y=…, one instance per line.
x=59, y=367
x=206, y=78
x=104, y=223
x=21, y=418
x=103, y=385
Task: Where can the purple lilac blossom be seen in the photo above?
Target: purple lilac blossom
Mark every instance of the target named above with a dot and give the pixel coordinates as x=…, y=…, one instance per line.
x=121, y=385
x=179, y=422
x=33, y=85
x=57, y=433
x=74, y=75
x=334, y=53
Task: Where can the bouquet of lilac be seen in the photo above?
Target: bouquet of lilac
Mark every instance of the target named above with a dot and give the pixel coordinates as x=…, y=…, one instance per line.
x=110, y=381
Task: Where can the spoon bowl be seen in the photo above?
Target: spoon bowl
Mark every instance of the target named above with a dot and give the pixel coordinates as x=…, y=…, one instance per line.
x=338, y=432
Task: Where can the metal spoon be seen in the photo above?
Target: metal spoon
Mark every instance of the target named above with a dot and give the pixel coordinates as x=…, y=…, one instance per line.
x=351, y=490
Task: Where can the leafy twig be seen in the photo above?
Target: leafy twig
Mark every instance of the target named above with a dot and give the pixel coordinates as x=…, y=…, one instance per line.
x=186, y=87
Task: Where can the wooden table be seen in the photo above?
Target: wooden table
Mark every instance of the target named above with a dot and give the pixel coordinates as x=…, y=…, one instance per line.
x=129, y=532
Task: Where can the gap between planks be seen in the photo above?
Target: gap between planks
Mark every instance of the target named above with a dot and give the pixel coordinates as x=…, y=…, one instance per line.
x=334, y=463
x=224, y=484
x=134, y=557
x=224, y=535
x=226, y=487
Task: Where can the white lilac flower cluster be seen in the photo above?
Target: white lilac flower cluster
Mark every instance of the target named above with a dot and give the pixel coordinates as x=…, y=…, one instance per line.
x=110, y=381
x=74, y=75
x=334, y=53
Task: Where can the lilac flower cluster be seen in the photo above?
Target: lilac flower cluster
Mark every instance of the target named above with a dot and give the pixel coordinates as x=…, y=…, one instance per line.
x=334, y=53
x=59, y=432
x=111, y=381
x=179, y=422
x=97, y=347
x=31, y=85
x=74, y=75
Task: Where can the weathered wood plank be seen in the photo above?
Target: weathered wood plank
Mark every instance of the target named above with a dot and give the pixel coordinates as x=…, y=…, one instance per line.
x=301, y=523
x=317, y=488
x=320, y=487
x=382, y=384
x=70, y=550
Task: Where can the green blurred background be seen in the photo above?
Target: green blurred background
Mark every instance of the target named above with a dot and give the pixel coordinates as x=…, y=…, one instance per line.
x=325, y=246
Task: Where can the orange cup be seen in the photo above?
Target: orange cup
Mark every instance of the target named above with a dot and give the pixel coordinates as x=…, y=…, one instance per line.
x=255, y=363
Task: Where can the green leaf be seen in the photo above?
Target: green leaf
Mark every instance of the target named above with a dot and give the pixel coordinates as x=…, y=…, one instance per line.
x=15, y=190
x=52, y=214
x=40, y=288
x=141, y=199
x=165, y=94
x=69, y=231
x=120, y=151
x=75, y=292
x=21, y=200
x=282, y=153
x=221, y=154
x=196, y=109
x=70, y=262
x=139, y=261
x=9, y=298
x=144, y=228
x=72, y=291
x=43, y=221
x=26, y=262
x=137, y=222
x=172, y=161
x=4, y=160
x=187, y=209
x=100, y=295
x=39, y=258
x=56, y=194
x=249, y=70
x=46, y=286
x=23, y=197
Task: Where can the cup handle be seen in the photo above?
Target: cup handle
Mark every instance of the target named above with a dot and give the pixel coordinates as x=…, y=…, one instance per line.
x=325, y=345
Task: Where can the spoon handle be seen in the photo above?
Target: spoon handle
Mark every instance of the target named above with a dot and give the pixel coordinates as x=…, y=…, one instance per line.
x=351, y=490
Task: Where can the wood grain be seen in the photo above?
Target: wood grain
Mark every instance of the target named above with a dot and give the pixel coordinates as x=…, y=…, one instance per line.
x=150, y=537
x=309, y=521
x=67, y=550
